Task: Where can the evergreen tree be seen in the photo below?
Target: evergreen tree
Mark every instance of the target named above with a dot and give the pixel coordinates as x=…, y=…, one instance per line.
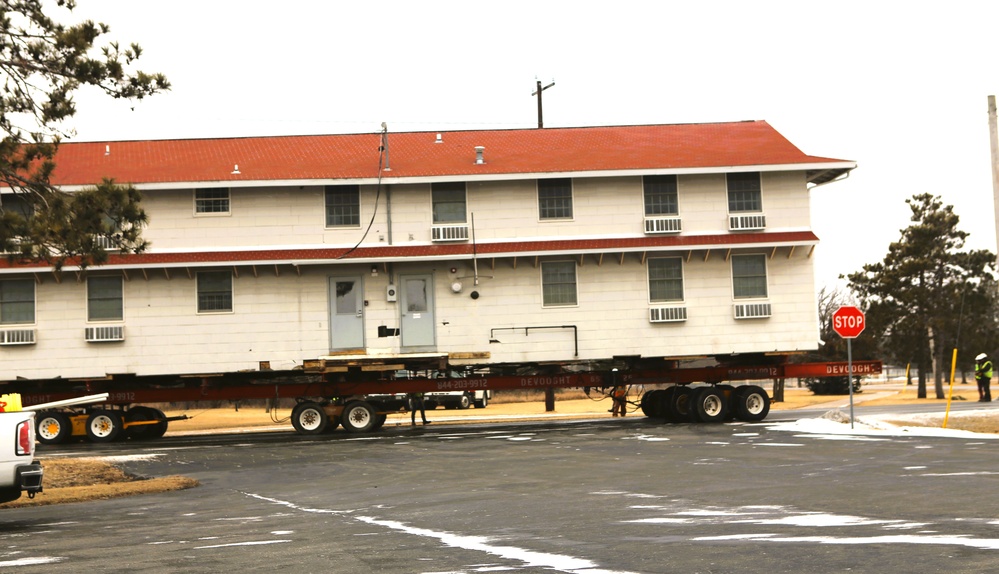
x=42, y=64
x=928, y=292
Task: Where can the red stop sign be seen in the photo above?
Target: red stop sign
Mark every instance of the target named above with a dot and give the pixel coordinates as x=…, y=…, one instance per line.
x=848, y=322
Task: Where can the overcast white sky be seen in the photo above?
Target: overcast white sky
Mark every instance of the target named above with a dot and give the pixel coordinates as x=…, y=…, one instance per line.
x=900, y=88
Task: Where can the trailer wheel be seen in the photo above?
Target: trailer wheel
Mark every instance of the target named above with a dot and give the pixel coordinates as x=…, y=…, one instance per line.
x=145, y=432
x=752, y=403
x=483, y=403
x=103, y=426
x=646, y=403
x=709, y=405
x=358, y=416
x=53, y=428
x=379, y=421
x=309, y=418
x=678, y=406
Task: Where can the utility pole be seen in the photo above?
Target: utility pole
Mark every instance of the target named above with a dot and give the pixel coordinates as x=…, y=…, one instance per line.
x=541, y=122
x=994, y=143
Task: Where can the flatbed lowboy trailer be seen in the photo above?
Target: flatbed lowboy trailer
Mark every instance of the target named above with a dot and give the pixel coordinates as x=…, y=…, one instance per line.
x=358, y=394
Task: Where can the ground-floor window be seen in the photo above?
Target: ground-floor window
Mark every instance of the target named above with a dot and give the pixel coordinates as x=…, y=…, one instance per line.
x=17, y=301
x=558, y=283
x=214, y=291
x=105, y=299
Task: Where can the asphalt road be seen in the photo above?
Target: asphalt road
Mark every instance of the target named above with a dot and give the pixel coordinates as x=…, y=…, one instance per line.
x=600, y=496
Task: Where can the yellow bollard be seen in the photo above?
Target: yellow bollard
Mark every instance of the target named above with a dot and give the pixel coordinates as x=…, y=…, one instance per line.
x=10, y=403
x=953, y=365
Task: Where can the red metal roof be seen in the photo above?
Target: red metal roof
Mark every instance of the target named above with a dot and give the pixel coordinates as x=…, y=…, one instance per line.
x=417, y=154
x=453, y=250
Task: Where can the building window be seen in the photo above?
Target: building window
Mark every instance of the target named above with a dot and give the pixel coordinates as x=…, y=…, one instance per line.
x=17, y=302
x=660, y=195
x=744, y=192
x=105, y=301
x=214, y=292
x=665, y=279
x=448, y=201
x=555, y=198
x=215, y=200
x=15, y=203
x=558, y=283
x=749, y=276
x=343, y=206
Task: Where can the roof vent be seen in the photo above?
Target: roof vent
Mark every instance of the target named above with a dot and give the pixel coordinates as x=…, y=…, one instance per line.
x=235, y=169
x=107, y=150
x=479, y=151
x=439, y=140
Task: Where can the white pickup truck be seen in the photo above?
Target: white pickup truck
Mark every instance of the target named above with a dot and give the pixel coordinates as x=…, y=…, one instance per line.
x=19, y=471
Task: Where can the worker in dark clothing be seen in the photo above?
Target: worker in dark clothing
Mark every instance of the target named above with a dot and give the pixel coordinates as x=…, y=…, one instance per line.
x=416, y=402
x=983, y=375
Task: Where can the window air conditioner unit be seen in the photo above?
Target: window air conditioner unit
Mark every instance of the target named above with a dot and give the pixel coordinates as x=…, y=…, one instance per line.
x=663, y=224
x=752, y=310
x=105, y=334
x=667, y=314
x=449, y=232
x=17, y=337
x=747, y=222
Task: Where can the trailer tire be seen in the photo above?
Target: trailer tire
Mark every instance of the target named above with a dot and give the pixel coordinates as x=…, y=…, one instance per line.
x=358, y=417
x=103, y=426
x=708, y=403
x=379, y=421
x=678, y=406
x=752, y=403
x=646, y=403
x=309, y=418
x=145, y=432
x=53, y=428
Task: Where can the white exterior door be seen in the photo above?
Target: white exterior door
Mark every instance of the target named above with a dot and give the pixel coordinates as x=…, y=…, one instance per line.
x=417, y=298
x=346, y=313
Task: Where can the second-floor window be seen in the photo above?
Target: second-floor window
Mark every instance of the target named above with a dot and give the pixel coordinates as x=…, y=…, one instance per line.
x=558, y=283
x=15, y=203
x=448, y=201
x=660, y=195
x=211, y=200
x=343, y=206
x=17, y=302
x=214, y=292
x=665, y=279
x=555, y=198
x=749, y=276
x=105, y=299
x=744, y=192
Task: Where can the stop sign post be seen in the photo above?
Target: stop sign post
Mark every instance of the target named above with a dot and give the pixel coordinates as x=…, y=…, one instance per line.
x=848, y=322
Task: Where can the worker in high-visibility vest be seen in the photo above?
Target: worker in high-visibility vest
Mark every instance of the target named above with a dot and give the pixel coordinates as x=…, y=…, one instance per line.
x=983, y=375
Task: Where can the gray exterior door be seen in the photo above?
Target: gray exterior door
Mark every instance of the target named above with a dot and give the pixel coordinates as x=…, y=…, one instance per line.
x=346, y=312
x=417, y=307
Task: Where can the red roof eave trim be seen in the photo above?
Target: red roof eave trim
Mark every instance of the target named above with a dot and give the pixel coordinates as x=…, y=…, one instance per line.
x=312, y=256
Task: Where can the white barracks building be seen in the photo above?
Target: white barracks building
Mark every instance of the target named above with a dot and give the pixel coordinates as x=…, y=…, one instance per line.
x=498, y=246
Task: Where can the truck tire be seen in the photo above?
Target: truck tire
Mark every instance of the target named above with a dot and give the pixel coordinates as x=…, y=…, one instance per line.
x=709, y=404
x=428, y=405
x=146, y=431
x=103, y=426
x=464, y=402
x=309, y=418
x=482, y=403
x=53, y=428
x=379, y=421
x=752, y=403
x=678, y=405
x=358, y=417
x=9, y=494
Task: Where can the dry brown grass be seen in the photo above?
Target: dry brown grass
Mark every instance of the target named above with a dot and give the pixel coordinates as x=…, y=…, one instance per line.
x=82, y=479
